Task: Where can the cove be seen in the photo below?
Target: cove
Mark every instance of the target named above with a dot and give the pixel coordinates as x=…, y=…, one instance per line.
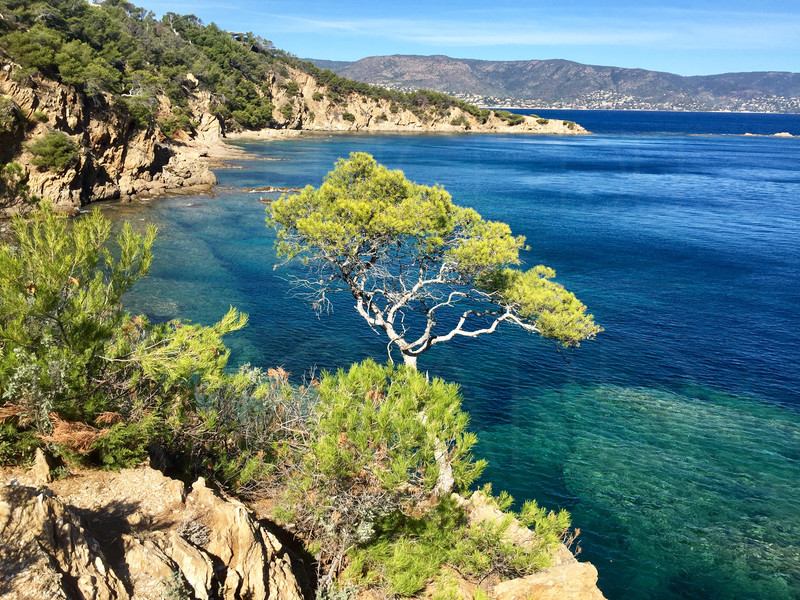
x=674, y=438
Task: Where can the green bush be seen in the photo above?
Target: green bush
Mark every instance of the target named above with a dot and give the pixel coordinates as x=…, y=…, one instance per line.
x=569, y=124
x=348, y=116
x=318, y=96
x=407, y=552
x=126, y=445
x=11, y=118
x=291, y=87
x=54, y=152
x=460, y=121
x=41, y=116
x=13, y=189
x=17, y=445
x=176, y=122
x=510, y=118
x=542, y=121
x=287, y=110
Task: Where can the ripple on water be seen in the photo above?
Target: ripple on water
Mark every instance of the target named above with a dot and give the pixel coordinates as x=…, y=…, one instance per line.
x=698, y=487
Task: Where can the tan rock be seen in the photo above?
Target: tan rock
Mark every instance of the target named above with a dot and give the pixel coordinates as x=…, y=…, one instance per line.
x=45, y=553
x=254, y=559
x=570, y=581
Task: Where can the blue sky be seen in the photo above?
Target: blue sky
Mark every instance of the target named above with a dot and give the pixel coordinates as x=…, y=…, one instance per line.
x=696, y=37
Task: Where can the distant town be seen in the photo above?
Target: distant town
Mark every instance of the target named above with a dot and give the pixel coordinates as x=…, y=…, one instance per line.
x=607, y=100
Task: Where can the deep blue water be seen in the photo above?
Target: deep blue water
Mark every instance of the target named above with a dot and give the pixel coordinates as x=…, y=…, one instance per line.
x=674, y=437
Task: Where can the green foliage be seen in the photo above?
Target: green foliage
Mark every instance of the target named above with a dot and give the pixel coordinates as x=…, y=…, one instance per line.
x=60, y=291
x=347, y=116
x=542, y=121
x=510, y=118
x=287, y=110
x=569, y=124
x=292, y=88
x=143, y=110
x=179, y=121
x=13, y=189
x=70, y=355
x=408, y=551
x=364, y=221
x=126, y=445
x=378, y=438
x=554, y=312
x=11, y=118
x=460, y=121
x=41, y=116
x=54, y=152
x=318, y=96
x=17, y=445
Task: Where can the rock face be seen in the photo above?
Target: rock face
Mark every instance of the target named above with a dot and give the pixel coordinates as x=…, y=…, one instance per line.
x=566, y=579
x=313, y=110
x=133, y=535
x=115, y=159
x=118, y=160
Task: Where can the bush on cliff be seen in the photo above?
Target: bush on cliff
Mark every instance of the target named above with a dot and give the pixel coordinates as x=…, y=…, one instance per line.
x=74, y=366
x=54, y=152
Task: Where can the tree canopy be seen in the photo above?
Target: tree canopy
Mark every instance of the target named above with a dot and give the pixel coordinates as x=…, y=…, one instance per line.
x=420, y=268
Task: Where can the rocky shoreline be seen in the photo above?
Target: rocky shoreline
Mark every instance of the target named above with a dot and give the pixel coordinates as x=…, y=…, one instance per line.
x=117, y=160
x=137, y=534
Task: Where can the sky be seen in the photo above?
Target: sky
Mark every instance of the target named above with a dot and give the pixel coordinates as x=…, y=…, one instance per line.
x=687, y=37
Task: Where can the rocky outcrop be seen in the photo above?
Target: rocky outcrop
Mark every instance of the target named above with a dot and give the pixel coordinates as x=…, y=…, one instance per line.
x=565, y=579
x=134, y=535
x=115, y=159
x=118, y=160
x=314, y=110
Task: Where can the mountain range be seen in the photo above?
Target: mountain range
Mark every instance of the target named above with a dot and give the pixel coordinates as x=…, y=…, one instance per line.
x=567, y=84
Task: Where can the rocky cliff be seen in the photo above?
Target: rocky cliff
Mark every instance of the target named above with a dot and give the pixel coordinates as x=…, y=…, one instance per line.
x=115, y=159
x=136, y=534
x=118, y=160
x=314, y=110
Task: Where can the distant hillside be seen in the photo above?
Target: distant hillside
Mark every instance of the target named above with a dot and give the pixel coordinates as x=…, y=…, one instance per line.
x=566, y=84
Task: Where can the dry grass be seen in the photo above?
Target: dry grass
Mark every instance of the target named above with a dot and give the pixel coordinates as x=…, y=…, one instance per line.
x=75, y=435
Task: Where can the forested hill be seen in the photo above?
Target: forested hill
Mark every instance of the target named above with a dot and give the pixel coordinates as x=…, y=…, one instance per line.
x=104, y=101
x=567, y=84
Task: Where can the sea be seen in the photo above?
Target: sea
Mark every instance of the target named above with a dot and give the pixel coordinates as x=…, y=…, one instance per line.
x=673, y=438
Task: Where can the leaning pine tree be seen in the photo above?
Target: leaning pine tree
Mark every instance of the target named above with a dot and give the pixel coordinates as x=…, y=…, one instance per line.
x=421, y=269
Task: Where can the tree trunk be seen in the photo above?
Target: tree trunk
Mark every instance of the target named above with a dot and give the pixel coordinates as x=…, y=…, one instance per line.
x=445, y=482
x=410, y=360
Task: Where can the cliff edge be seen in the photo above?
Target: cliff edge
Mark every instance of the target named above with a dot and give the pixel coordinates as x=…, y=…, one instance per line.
x=136, y=534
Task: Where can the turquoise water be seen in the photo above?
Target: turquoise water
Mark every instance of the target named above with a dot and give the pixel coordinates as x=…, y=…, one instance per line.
x=674, y=438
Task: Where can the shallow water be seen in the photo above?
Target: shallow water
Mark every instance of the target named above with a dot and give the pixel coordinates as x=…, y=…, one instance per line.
x=674, y=438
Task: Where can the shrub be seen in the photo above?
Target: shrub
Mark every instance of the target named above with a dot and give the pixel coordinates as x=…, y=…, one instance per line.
x=287, y=111
x=378, y=442
x=13, y=189
x=126, y=445
x=460, y=121
x=569, y=124
x=177, y=122
x=542, y=121
x=11, y=118
x=41, y=116
x=54, y=152
x=318, y=96
x=348, y=116
x=291, y=87
x=510, y=118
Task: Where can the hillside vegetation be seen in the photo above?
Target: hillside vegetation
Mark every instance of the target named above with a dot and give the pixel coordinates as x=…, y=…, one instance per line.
x=105, y=101
x=117, y=48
